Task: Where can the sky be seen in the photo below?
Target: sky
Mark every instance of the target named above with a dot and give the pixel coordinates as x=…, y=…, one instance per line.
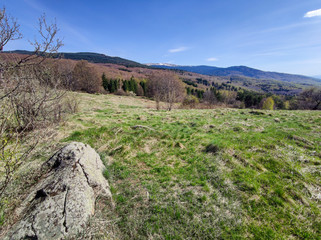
x=271, y=35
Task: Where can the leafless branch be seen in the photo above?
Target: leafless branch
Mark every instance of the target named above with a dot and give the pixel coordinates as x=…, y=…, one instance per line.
x=31, y=94
x=9, y=29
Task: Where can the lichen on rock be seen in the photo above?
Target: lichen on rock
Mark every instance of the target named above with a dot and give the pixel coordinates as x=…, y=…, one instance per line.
x=62, y=202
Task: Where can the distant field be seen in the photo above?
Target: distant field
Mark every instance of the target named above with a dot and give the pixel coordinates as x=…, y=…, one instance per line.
x=202, y=174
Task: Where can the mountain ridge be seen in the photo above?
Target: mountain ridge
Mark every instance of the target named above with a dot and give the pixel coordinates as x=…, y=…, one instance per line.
x=245, y=71
x=233, y=71
x=90, y=57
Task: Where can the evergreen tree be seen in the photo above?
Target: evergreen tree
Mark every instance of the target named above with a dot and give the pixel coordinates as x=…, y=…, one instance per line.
x=218, y=96
x=143, y=85
x=112, y=86
x=125, y=86
x=188, y=91
x=105, y=81
x=133, y=85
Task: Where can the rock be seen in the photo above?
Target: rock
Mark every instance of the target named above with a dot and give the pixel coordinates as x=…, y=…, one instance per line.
x=180, y=145
x=142, y=118
x=277, y=120
x=62, y=202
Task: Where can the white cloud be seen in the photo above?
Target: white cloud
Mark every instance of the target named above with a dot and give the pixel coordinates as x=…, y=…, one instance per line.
x=180, y=49
x=212, y=59
x=315, y=13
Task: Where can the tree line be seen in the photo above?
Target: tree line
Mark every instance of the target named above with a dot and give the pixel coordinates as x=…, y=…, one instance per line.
x=136, y=86
x=160, y=85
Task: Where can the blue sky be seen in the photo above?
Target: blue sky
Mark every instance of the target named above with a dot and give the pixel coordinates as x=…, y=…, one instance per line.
x=274, y=35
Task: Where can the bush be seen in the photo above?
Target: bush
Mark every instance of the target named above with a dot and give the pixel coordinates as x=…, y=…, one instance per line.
x=190, y=101
x=268, y=104
x=121, y=92
x=31, y=95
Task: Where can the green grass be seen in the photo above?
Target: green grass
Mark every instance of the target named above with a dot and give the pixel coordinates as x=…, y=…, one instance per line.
x=205, y=174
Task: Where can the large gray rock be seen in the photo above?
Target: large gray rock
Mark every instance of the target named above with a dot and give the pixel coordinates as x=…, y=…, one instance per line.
x=64, y=199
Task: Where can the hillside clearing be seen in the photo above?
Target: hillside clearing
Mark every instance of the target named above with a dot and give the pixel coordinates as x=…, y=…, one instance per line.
x=199, y=174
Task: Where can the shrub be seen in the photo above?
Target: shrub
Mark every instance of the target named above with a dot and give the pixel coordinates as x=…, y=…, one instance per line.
x=31, y=95
x=121, y=92
x=268, y=104
x=190, y=101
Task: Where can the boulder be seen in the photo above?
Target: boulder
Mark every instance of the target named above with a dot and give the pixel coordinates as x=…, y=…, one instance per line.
x=64, y=199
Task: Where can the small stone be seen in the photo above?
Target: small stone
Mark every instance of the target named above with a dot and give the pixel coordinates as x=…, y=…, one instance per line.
x=180, y=145
x=142, y=118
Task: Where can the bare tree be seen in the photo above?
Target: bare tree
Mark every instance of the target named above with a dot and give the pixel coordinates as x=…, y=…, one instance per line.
x=210, y=97
x=30, y=93
x=310, y=99
x=228, y=97
x=165, y=86
x=9, y=29
x=85, y=78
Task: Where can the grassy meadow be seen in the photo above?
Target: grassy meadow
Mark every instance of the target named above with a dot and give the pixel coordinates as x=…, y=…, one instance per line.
x=201, y=174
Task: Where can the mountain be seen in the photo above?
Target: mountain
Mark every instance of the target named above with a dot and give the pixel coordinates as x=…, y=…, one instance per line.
x=238, y=76
x=162, y=64
x=91, y=57
x=239, y=71
x=244, y=71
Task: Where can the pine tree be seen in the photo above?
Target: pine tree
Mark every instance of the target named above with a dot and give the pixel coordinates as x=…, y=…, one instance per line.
x=125, y=85
x=188, y=91
x=143, y=85
x=133, y=85
x=112, y=87
x=105, y=81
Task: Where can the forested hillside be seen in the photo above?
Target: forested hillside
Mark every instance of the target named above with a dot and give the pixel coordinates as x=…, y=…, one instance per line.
x=90, y=57
x=243, y=71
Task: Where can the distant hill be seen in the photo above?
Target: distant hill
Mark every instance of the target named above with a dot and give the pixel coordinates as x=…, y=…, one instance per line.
x=244, y=72
x=238, y=76
x=91, y=57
